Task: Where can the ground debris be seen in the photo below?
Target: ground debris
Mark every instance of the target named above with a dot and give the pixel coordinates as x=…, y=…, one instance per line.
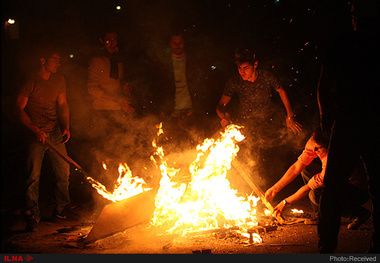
x=262, y=229
x=68, y=229
x=114, y=241
x=167, y=246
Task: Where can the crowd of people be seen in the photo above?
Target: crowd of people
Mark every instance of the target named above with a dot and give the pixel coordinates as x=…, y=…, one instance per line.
x=345, y=142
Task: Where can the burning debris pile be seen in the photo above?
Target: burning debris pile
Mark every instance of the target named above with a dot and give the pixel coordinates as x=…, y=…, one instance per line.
x=206, y=201
x=199, y=201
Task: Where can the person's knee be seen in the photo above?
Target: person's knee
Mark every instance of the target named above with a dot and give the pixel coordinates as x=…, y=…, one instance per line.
x=314, y=197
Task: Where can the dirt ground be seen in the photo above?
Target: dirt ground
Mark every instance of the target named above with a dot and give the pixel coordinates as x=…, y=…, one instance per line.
x=67, y=237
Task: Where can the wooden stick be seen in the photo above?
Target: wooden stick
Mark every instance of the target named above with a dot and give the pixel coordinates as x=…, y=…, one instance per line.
x=260, y=193
x=66, y=158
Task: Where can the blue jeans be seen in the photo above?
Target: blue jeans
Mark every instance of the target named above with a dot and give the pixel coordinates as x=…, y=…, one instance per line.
x=61, y=171
x=314, y=194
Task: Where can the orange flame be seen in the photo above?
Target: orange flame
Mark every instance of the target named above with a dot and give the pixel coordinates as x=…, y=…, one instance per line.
x=296, y=211
x=126, y=186
x=207, y=201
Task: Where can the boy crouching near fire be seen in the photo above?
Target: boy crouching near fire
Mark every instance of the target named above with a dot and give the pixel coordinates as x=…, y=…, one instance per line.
x=356, y=189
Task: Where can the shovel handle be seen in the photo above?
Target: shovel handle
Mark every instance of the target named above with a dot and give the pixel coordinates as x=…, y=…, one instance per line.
x=65, y=157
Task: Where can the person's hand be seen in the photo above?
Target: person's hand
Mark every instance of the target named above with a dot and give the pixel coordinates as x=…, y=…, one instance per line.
x=41, y=136
x=291, y=124
x=279, y=209
x=127, y=89
x=225, y=120
x=66, y=135
x=270, y=194
x=124, y=104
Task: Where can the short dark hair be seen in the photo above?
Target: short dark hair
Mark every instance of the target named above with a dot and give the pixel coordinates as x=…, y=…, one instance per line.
x=319, y=138
x=47, y=50
x=243, y=55
x=176, y=33
x=108, y=31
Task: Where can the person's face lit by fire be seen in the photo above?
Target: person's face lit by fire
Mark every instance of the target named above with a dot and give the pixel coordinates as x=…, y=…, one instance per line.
x=52, y=63
x=247, y=71
x=177, y=45
x=109, y=42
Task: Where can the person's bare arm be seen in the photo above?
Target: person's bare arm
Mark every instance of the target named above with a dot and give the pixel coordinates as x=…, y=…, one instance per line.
x=290, y=122
x=64, y=115
x=301, y=193
x=224, y=100
x=293, y=171
x=21, y=115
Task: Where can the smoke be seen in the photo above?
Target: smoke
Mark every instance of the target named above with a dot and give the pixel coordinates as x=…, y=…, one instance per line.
x=123, y=138
x=269, y=149
x=127, y=139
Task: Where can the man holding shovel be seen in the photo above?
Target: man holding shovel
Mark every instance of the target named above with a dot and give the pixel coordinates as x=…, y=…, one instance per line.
x=42, y=107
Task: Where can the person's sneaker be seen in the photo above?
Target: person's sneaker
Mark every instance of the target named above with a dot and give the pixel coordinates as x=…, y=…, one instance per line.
x=67, y=213
x=31, y=222
x=359, y=221
x=60, y=216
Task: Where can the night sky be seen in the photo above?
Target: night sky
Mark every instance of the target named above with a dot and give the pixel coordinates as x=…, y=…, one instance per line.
x=289, y=36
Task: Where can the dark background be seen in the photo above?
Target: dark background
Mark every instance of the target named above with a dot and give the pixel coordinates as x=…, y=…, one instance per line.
x=290, y=38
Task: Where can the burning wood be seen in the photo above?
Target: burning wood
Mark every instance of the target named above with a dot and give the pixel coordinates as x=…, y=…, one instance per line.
x=205, y=202
x=255, y=188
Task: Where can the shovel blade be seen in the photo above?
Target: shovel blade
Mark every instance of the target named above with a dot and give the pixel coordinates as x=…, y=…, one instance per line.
x=119, y=216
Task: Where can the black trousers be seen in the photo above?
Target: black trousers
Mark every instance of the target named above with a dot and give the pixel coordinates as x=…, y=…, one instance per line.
x=353, y=137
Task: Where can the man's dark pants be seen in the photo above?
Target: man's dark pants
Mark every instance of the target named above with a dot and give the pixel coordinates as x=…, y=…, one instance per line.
x=352, y=137
x=61, y=171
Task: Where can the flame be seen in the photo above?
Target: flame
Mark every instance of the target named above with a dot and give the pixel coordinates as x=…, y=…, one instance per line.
x=254, y=237
x=126, y=186
x=206, y=201
x=200, y=201
x=296, y=211
x=267, y=212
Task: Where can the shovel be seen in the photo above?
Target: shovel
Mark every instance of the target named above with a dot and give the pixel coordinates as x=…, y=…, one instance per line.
x=119, y=216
